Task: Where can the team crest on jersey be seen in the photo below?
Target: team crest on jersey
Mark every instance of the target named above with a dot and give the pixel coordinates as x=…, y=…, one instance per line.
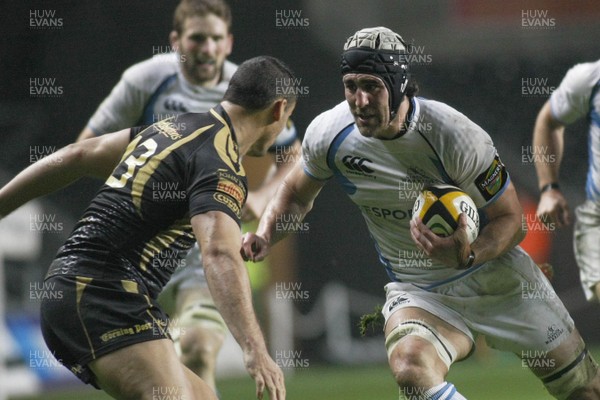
x=492, y=179
x=166, y=128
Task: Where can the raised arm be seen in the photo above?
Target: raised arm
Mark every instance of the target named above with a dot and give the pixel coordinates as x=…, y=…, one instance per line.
x=219, y=238
x=294, y=199
x=548, y=144
x=96, y=157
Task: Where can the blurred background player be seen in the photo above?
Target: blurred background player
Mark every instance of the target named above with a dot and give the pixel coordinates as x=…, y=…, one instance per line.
x=578, y=96
x=107, y=327
x=194, y=79
x=383, y=141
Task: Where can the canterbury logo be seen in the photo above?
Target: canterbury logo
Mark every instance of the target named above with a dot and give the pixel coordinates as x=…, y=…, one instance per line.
x=357, y=164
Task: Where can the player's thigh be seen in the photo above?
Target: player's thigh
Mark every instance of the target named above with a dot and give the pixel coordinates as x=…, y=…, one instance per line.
x=461, y=342
x=146, y=370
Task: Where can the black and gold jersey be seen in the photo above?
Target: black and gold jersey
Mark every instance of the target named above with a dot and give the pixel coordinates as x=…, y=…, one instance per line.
x=138, y=225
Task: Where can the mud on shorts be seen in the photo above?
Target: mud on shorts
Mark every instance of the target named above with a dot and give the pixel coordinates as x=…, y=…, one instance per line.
x=87, y=318
x=508, y=300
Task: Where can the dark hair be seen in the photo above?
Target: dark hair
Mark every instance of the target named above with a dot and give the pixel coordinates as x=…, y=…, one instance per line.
x=191, y=8
x=260, y=81
x=412, y=88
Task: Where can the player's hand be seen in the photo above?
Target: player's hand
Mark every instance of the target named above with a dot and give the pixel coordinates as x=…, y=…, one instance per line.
x=452, y=250
x=254, y=247
x=553, y=208
x=266, y=373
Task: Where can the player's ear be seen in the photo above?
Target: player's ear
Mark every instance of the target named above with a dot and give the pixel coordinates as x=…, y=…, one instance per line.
x=174, y=40
x=278, y=108
x=229, y=44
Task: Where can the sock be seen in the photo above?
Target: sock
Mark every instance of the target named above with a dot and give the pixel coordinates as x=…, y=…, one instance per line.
x=443, y=391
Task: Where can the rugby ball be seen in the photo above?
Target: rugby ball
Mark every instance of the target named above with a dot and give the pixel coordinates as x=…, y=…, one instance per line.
x=439, y=207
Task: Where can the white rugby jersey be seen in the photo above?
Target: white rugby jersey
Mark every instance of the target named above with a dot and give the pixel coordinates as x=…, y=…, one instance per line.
x=384, y=177
x=156, y=89
x=576, y=97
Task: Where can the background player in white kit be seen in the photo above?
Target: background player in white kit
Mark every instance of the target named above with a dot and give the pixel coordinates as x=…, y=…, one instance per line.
x=577, y=96
x=380, y=142
x=192, y=79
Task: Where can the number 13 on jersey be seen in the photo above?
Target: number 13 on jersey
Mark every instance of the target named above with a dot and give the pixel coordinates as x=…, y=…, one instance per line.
x=137, y=158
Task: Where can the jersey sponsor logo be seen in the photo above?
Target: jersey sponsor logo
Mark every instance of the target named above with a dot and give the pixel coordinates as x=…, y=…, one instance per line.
x=166, y=128
x=358, y=164
x=232, y=189
x=386, y=213
x=493, y=179
x=229, y=202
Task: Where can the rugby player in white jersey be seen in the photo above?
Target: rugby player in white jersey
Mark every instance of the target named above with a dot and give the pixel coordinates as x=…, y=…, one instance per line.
x=192, y=79
x=577, y=96
x=382, y=145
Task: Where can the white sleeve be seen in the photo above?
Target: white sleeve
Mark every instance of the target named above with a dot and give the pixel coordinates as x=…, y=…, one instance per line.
x=122, y=108
x=314, y=150
x=570, y=101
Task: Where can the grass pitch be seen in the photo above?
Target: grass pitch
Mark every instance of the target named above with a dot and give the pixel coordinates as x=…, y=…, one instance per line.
x=497, y=376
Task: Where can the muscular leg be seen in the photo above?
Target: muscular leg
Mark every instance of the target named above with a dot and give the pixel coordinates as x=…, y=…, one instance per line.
x=415, y=362
x=146, y=370
x=570, y=376
x=200, y=337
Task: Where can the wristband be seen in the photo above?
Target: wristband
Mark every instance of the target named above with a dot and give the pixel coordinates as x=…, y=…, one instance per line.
x=549, y=186
x=469, y=262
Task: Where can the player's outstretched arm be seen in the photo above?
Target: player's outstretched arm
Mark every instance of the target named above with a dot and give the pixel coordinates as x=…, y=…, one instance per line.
x=294, y=199
x=503, y=231
x=219, y=238
x=95, y=157
x=548, y=145
x=259, y=198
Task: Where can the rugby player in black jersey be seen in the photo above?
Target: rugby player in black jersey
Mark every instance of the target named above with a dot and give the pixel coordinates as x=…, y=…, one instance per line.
x=107, y=328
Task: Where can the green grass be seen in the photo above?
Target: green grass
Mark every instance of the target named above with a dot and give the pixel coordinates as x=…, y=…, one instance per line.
x=498, y=377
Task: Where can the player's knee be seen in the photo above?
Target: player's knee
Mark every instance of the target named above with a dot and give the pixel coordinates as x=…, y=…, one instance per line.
x=418, y=353
x=200, y=347
x=579, y=379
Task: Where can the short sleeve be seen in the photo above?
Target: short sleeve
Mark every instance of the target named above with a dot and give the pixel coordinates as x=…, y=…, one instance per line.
x=314, y=151
x=570, y=101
